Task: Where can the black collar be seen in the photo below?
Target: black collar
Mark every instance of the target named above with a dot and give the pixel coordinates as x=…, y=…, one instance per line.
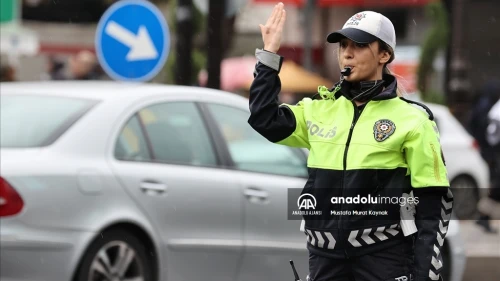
x=389, y=91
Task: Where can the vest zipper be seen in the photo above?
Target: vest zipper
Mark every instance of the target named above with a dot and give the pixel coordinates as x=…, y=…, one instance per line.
x=436, y=163
x=354, y=120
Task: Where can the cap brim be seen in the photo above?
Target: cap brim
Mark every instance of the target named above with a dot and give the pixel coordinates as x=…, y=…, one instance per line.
x=356, y=35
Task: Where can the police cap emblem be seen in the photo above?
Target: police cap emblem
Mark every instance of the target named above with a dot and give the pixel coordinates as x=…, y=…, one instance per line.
x=383, y=129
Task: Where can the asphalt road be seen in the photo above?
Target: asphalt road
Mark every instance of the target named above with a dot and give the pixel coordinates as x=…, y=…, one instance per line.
x=483, y=252
x=482, y=269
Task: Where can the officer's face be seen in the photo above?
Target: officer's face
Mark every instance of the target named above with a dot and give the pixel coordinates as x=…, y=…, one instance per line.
x=365, y=60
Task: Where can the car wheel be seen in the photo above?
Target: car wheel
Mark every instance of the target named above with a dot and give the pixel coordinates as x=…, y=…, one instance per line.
x=465, y=197
x=116, y=255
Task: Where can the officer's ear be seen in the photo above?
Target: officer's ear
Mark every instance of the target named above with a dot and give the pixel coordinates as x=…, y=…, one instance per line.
x=384, y=57
x=385, y=53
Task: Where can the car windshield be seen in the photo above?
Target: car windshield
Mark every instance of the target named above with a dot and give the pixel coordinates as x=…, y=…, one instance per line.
x=35, y=121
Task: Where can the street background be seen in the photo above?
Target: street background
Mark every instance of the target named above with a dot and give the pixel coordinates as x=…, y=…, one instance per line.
x=447, y=53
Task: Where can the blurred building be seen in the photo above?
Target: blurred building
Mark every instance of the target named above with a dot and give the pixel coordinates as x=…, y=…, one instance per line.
x=473, y=56
x=66, y=27
x=471, y=60
x=409, y=18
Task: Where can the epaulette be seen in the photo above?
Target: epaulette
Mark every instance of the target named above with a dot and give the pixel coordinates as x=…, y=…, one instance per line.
x=431, y=115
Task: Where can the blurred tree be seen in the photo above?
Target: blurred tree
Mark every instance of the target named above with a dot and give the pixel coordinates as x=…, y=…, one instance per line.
x=436, y=39
x=198, y=57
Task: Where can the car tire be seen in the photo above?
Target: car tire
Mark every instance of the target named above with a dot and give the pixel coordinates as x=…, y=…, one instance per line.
x=465, y=197
x=106, y=256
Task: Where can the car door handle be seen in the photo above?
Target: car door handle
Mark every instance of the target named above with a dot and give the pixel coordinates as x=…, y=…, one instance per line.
x=153, y=186
x=256, y=193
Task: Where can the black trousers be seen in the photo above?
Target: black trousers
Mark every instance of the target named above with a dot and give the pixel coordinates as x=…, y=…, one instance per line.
x=392, y=264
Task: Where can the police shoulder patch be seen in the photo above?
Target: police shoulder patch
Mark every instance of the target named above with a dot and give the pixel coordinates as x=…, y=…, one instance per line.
x=383, y=129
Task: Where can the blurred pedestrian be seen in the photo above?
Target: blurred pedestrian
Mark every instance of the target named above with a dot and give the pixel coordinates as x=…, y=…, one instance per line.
x=7, y=72
x=490, y=206
x=366, y=141
x=478, y=124
x=83, y=66
x=55, y=70
x=478, y=121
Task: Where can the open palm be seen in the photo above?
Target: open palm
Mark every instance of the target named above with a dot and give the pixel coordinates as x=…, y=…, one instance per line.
x=272, y=31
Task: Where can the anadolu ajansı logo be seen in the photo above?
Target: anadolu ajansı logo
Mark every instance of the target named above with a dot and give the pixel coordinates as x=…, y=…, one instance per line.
x=307, y=205
x=306, y=201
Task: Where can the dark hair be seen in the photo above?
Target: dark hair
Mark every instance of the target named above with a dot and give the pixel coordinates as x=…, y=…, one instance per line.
x=385, y=47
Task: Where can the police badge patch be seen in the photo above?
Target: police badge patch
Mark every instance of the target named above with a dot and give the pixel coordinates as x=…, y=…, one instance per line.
x=354, y=20
x=383, y=129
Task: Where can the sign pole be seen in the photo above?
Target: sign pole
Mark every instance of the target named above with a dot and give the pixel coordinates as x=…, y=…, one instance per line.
x=216, y=13
x=184, y=15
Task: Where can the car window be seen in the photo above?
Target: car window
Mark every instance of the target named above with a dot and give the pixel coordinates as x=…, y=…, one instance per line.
x=131, y=144
x=178, y=134
x=35, y=121
x=252, y=152
x=447, y=124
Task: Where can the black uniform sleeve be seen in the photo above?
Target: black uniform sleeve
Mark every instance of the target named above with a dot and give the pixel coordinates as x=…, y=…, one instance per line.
x=431, y=186
x=267, y=117
x=432, y=218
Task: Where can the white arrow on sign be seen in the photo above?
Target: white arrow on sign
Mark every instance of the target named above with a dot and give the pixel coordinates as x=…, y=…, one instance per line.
x=141, y=46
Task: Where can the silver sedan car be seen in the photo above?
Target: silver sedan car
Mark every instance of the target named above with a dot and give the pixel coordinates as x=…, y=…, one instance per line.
x=141, y=182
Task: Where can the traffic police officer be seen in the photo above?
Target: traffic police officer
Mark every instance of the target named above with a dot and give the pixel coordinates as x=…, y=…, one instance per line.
x=364, y=140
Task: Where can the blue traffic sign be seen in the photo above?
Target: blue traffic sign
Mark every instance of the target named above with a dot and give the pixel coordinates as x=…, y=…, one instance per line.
x=132, y=40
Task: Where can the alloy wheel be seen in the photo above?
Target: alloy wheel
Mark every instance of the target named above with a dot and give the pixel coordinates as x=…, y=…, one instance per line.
x=116, y=261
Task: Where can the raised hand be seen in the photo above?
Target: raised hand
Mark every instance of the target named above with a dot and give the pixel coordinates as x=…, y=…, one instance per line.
x=271, y=32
